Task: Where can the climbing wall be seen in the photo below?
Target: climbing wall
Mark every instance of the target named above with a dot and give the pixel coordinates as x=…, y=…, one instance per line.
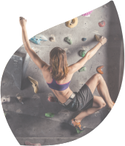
x=24, y=92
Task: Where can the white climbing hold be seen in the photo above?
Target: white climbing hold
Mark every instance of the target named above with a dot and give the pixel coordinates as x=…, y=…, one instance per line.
x=35, y=96
x=19, y=111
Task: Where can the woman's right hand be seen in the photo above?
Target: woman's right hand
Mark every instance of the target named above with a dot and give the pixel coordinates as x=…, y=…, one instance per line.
x=23, y=24
x=103, y=40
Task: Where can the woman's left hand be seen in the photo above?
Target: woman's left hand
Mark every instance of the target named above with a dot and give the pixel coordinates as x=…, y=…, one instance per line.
x=23, y=25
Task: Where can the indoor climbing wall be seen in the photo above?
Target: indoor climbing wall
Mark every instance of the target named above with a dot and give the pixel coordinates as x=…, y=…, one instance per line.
x=27, y=103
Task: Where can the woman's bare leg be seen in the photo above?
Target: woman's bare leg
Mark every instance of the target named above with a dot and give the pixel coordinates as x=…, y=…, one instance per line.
x=98, y=103
x=104, y=92
x=98, y=81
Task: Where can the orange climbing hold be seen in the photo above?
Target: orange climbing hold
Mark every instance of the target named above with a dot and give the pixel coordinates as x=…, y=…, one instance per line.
x=99, y=69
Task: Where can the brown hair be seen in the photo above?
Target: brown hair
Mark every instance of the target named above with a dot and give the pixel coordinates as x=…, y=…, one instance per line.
x=58, y=63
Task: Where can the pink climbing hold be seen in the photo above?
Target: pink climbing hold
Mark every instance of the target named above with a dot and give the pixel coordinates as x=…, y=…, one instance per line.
x=87, y=12
x=102, y=23
x=51, y=99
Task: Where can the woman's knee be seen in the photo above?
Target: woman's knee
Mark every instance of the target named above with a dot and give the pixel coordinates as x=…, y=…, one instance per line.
x=98, y=102
x=98, y=77
x=102, y=104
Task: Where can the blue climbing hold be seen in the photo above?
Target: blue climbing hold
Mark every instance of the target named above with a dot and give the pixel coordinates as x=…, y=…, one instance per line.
x=84, y=39
x=35, y=40
x=38, y=38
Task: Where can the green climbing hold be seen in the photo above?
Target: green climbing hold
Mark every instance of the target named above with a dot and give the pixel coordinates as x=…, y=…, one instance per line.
x=49, y=115
x=68, y=40
x=3, y=114
x=78, y=131
x=82, y=53
x=82, y=69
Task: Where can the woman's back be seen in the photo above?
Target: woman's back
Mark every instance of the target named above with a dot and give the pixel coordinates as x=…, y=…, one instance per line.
x=59, y=88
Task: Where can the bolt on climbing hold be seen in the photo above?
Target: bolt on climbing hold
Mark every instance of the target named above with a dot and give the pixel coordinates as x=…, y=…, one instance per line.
x=84, y=39
x=68, y=40
x=49, y=115
x=72, y=23
x=87, y=14
x=99, y=69
x=19, y=98
x=34, y=84
x=97, y=37
x=5, y=99
x=51, y=98
x=4, y=114
x=27, y=143
x=82, y=53
x=19, y=111
x=78, y=131
x=52, y=39
x=82, y=69
x=101, y=23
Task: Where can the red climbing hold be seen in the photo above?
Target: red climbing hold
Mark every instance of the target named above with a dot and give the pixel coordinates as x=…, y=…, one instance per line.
x=99, y=69
x=102, y=23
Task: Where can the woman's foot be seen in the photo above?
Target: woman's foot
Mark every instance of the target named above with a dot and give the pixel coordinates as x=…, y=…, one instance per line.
x=113, y=107
x=76, y=124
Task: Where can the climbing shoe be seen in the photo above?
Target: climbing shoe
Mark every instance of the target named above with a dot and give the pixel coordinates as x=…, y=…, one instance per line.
x=77, y=125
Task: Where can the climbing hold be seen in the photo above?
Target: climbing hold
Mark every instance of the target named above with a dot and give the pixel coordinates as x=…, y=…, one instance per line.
x=34, y=84
x=52, y=39
x=68, y=40
x=78, y=131
x=19, y=98
x=41, y=37
x=4, y=114
x=84, y=39
x=82, y=69
x=87, y=14
x=49, y=115
x=35, y=40
x=99, y=69
x=19, y=111
x=33, y=144
x=72, y=23
x=97, y=37
x=5, y=99
x=51, y=99
x=102, y=23
x=82, y=53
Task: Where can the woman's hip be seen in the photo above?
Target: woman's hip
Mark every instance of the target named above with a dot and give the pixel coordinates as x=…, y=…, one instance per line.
x=83, y=99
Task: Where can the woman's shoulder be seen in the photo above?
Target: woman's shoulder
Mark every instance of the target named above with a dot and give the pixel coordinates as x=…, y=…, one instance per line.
x=47, y=74
x=49, y=69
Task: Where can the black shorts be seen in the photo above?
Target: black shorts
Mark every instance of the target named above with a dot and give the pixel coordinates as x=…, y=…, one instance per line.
x=82, y=100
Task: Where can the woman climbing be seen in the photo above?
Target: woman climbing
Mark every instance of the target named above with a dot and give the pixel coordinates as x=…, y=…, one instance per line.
x=58, y=76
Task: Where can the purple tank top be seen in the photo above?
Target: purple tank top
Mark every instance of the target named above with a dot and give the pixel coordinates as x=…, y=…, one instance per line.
x=60, y=87
x=56, y=86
